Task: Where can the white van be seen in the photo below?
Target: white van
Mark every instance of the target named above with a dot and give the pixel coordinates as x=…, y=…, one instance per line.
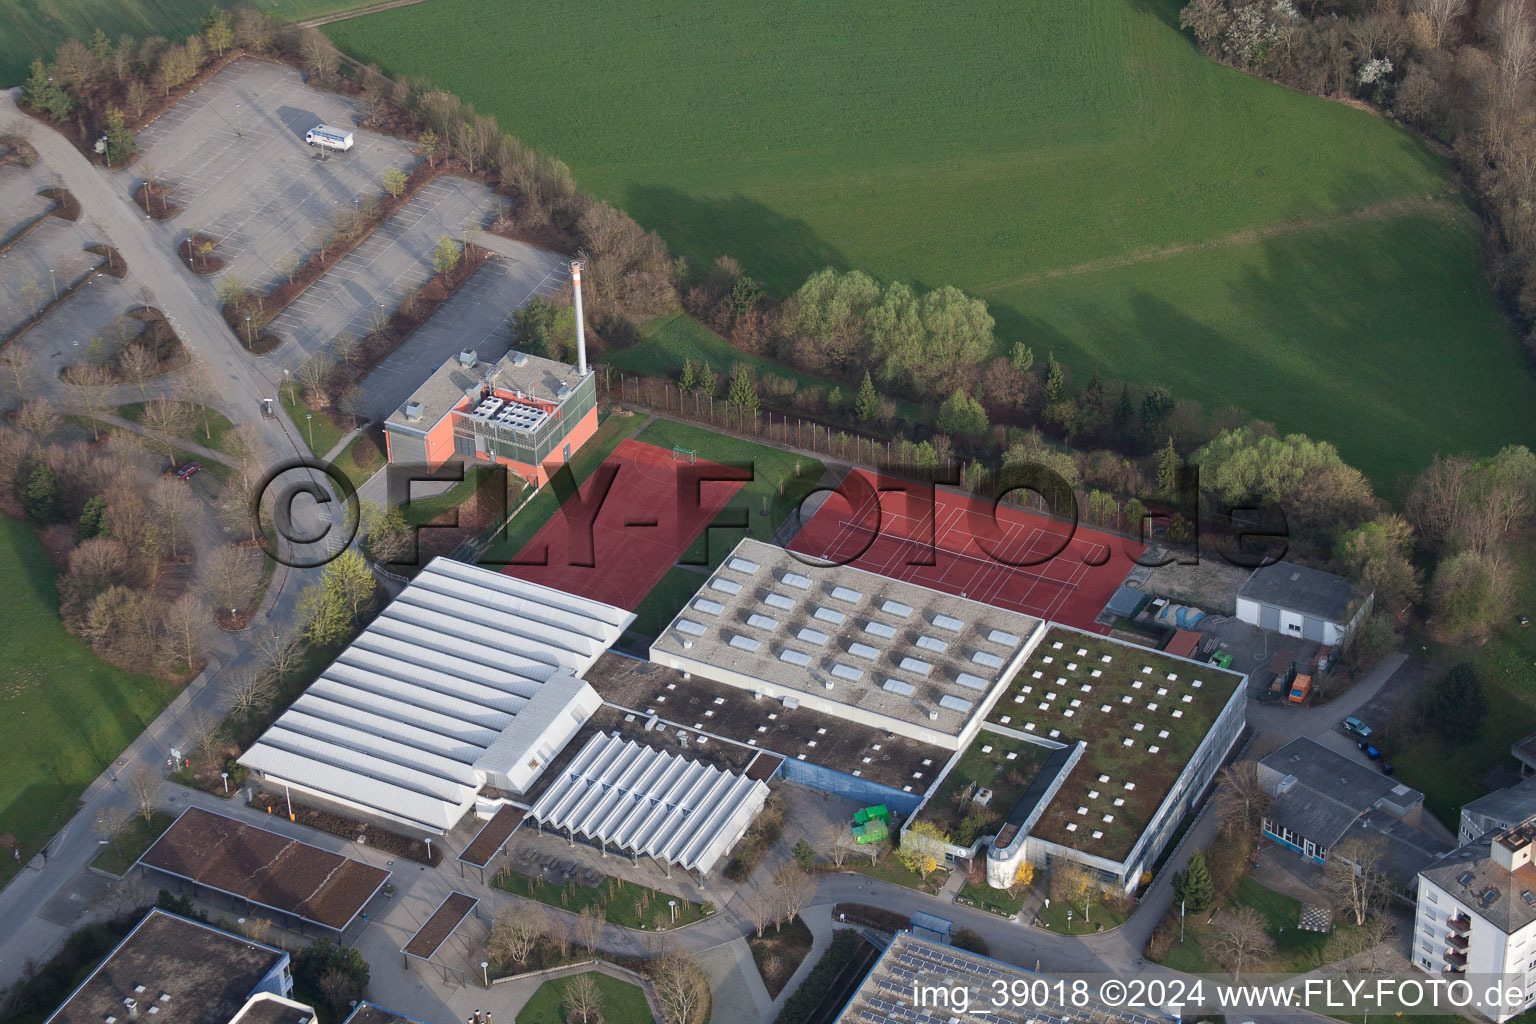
x=326, y=137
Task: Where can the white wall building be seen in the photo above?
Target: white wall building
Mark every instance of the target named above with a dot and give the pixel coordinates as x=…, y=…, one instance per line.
x=1309, y=604
x=469, y=678
x=1477, y=918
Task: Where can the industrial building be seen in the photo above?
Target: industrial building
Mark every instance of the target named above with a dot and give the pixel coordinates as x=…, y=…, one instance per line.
x=650, y=803
x=1496, y=811
x=468, y=679
x=895, y=656
x=1308, y=604
x=172, y=970
x=524, y=412
x=1476, y=918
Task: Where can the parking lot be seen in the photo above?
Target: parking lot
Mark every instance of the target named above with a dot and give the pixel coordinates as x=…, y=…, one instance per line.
x=369, y=281
x=478, y=317
x=234, y=157
x=52, y=255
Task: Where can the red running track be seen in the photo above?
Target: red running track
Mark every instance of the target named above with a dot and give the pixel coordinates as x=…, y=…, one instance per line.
x=627, y=525
x=961, y=545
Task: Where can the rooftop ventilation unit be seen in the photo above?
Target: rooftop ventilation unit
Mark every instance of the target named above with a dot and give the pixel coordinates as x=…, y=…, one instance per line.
x=790, y=702
x=846, y=672
x=922, y=668
x=829, y=615
x=413, y=411
x=563, y=392
x=520, y=359
x=933, y=715
x=762, y=622
x=469, y=359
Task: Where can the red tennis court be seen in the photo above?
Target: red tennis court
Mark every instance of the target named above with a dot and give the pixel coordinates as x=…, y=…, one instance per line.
x=1002, y=556
x=626, y=526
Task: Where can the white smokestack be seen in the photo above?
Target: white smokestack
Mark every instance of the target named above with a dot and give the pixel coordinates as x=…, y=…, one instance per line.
x=581, y=329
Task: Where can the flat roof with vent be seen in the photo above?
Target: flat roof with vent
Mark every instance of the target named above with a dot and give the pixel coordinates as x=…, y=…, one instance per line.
x=524, y=389
x=866, y=647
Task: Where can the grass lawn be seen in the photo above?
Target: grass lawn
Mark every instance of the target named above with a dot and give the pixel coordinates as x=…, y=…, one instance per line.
x=64, y=713
x=623, y=1003
x=624, y=903
x=1448, y=774
x=1102, y=917
x=34, y=29
x=1295, y=950
x=666, y=599
x=770, y=497
x=116, y=858
x=217, y=429
x=359, y=471
x=1115, y=196
x=536, y=513
x=984, y=897
x=319, y=431
x=889, y=869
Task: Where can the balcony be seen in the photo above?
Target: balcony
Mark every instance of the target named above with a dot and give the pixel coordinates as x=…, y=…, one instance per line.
x=1455, y=971
x=1455, y=959
x=1460, y=923
x=1456, y=941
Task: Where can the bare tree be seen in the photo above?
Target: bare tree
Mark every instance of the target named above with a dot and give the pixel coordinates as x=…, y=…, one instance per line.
x=311, y=376
x=1354, y=876
x=94, y=384
x=558, y=932
x=256, y=929
x=187, y=629
x=33, y=295
x=1442, y=16
x=18, y=371
x=39, y=419
x=837, y=842
x=280, y=651
x=114, y=824
x=144, y=787
x=287, y=265
x=320, y=57
x=1073, y=883
x=246, y=445
x=582, y=999
x=761, y=906
x=680, y=985
x=139, y=364
x=175, y=509
x=795, y=890
x=228, y=576
x=248, y=688
x=203, y=736
x=589, y=928
x=1240, y=801
x=517, y=930
x=1239, y=940
x=194, y=384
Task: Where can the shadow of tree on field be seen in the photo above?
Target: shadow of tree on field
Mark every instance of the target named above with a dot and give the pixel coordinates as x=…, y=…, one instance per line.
x=779, y=250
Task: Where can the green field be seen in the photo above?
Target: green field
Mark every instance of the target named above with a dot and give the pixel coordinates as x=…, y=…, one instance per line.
x=64, y=713
x=623, y=1003
x=1115, y=196
x=36, y=28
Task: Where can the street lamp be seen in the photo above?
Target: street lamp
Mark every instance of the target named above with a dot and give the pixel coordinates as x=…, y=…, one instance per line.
x=225, y=777
x=673, y=905
x=247, y=331
x=309, y=421
x=239, y=128
x=485, y=972
x=55, y=281
x=429, y=844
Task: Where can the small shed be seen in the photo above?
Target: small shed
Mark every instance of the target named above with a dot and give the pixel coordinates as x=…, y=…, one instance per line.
x=1185, y=644
x=1126, y=602
x=1294, y=600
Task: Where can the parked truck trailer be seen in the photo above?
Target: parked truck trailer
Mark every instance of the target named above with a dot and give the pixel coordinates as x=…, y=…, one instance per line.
x=326, y=137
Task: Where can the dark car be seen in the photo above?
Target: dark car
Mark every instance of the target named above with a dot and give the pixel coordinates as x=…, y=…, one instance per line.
x=1370, y=751
x=188, y=470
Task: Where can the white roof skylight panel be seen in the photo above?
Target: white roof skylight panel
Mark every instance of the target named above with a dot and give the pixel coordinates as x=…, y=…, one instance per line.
x=743, y=565
x=916, y=665
x=794, y=657
x=986, y=658
x=724, y=585
x=777, y=600
x=762, y=622
x=812, y=636
x=745, y=643
x=690, y=627
x=948, y=622
x=831, y=615
x=954, y=703
x=930, y=643
x=970, y=681
x=879, y=629
x=897, y=686
x=708, y=607
x=1002, y=636
x=796, y=580
x=847, y=594
x=896, y=608
x=847, y=672
x=863, y=651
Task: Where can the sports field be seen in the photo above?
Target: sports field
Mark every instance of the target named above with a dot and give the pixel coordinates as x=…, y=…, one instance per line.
x=1115, y=196
x=64, y=713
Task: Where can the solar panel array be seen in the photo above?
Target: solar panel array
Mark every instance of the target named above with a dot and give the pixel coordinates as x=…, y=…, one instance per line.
x=650, y=802
x=399, y=719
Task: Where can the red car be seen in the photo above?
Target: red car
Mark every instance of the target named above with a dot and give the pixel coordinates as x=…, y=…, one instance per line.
x=188, y=470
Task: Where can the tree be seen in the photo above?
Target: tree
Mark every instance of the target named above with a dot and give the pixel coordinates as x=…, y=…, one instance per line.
x=589, y=927
x=93, y=518
x=1469, y=593
x=742, y=390
x=339, y=973
x=927, y=342
x=394, y=182
x=280, y=651
x=680, y=985
x=446, y=256
x=175, y=511
x=202, y=736
x=1377, y=554
x=921, y=845
x=18, y=371
x=1193, y=886
x=582, y=999
x=330, y=607
x=138, y=364
x=795, y=889
x=1353, y=876
x=41, y=92
x=1073, y=883
x=1168, y=466
x=187, y=629
x=516, y=931
x=866, y=405
x=963, y=417
x=41, y=500
x=1055, y=379
x=805, y=855
x=1458, y=706
x=1238, y=940
x=761, y=906
x=94, y=384
x=228, y=576
x=318, y=54
x=1023, y=877
x=706, y=385
x=248, y=688
x=1318, y=491
x=1240, y=800
x=836, y=842
x=687, y=379
x=144, y=787
x=427, y=144
x=117, y=143
x=217, y=31
x=115, y=823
